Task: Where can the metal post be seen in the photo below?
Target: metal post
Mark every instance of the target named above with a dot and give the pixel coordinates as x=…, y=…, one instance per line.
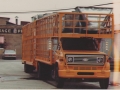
x=116, y=12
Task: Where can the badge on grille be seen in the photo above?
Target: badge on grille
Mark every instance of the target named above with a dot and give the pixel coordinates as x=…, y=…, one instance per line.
x=85, y=59
x=99, y=60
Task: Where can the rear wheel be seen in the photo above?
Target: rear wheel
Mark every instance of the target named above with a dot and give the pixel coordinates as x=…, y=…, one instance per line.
x=3, y=58
x=43, y=71
x=59, y=80
x=104, y=83
x=28, y=68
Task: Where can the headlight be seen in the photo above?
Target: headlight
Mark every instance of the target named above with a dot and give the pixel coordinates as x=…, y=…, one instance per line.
x=100, y=59
x=70, y=59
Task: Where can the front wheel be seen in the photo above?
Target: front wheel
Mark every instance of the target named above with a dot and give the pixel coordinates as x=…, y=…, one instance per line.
x=59, y=80
x=104, y=83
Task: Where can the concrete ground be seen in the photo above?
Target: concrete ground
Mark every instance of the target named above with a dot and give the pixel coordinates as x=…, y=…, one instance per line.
x=12, y=76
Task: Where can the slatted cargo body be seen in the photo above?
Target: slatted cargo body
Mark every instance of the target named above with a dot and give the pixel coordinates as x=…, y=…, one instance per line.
x=46, y=29
x=28, y=42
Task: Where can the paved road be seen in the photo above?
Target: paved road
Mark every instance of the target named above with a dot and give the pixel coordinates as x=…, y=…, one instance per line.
x=12, y=76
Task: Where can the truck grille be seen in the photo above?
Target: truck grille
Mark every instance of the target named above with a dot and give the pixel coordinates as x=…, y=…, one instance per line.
x=86, y=59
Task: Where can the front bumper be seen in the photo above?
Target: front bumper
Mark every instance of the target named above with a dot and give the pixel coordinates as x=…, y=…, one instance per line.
x=74, y=73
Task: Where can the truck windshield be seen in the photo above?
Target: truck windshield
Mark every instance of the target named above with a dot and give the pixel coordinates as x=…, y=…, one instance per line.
x=79, y=44
x=99, y=10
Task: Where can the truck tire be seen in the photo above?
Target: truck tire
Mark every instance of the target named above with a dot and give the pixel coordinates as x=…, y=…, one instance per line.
x=59, y=80
x=28, y=68
x=104, y=83
x=39, y=71
x=43, y=71
x=47, y=72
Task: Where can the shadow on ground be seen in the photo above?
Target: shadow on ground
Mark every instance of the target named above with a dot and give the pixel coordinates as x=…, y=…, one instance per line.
x=69, y=84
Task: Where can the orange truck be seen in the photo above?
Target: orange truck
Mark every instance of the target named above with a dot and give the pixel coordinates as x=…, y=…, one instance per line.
x=66, y=45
